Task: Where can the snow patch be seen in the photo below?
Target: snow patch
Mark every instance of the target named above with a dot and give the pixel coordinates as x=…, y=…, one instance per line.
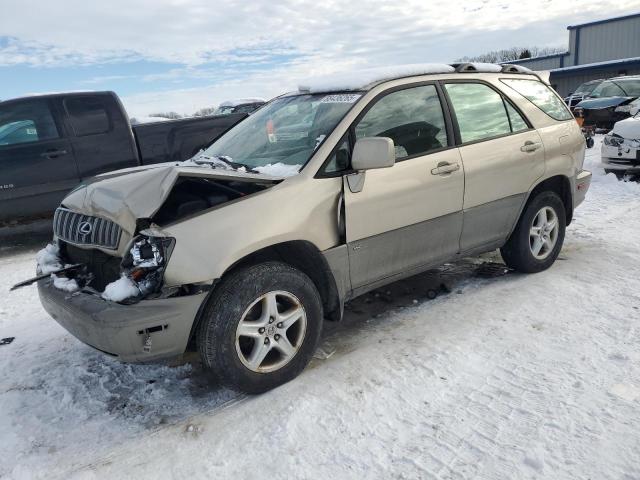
x=64, y=283
x=48, y=259
x=120, y=290
x=279, y=169
x=241, y=101
x=360, y=79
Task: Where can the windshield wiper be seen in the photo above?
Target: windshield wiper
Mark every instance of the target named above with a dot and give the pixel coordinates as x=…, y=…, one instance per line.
x=226, y=162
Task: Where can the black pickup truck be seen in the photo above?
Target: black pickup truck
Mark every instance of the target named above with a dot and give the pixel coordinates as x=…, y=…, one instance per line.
x=50, y=143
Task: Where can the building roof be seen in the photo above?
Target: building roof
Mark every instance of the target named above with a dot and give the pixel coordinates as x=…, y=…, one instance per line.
x=596, y=65
x=606, y=20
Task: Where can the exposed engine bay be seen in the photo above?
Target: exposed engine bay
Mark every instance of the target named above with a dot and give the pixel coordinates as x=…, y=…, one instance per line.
x=191, y=195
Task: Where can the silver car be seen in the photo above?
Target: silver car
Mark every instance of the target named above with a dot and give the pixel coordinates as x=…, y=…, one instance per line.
x=242, y=251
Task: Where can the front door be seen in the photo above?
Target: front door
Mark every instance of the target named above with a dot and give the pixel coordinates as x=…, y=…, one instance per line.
x=37, y=166
x=503, y=156
x=409, y=215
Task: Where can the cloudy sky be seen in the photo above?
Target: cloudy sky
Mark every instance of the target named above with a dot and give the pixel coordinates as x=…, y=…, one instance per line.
x=182, y=55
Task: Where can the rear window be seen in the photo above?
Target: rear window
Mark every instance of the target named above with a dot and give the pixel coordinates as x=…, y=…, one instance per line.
x=88, y=115
x=541, y=96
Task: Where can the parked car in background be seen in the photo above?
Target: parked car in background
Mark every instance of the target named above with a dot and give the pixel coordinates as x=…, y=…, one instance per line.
x=609, y=102
x=399, y=170
x=580, y=93
x=243, y=105
x=50, y=143
x=621, y=147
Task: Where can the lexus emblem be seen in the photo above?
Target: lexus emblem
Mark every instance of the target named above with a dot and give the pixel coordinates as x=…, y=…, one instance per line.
x=85, y=228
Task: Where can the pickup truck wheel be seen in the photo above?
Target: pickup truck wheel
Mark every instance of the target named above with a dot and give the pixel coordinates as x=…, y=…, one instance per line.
x=537, y=240
x=261, y=327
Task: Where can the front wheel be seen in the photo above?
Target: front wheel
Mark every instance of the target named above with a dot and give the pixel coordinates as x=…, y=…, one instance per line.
x=537, y=240
x=261, y=327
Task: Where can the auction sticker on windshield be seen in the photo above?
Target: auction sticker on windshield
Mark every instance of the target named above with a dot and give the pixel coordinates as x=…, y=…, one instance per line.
x=341, y=98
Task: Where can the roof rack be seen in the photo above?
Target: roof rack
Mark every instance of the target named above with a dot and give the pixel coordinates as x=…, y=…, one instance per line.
x=515, y=69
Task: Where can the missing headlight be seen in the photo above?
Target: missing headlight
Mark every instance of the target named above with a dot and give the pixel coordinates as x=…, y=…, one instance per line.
x=145, y=263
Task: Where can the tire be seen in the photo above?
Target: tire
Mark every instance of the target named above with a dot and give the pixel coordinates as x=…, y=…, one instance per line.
x=239, y=326
x=518, y=252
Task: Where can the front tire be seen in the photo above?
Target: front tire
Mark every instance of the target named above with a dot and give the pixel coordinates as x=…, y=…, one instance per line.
x=537, y=240
x=261, y=327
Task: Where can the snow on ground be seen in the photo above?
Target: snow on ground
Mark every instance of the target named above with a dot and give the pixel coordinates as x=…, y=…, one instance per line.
x=522, y=376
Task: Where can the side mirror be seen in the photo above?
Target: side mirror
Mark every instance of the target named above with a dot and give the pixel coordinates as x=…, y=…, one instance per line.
x=373, y=152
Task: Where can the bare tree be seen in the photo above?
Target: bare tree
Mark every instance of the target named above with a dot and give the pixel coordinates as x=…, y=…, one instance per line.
x=512, y=53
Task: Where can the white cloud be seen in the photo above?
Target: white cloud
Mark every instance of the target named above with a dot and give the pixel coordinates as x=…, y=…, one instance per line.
x=314, y=36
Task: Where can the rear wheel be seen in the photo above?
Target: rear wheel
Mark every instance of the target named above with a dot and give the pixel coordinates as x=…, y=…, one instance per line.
x=261, y=327
x=537, y=240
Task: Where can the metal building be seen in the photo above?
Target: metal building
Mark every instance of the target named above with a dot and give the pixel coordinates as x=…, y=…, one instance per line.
x=600, y=49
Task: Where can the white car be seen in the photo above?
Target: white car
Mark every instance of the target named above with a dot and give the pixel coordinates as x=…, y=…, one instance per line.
x=621, y=147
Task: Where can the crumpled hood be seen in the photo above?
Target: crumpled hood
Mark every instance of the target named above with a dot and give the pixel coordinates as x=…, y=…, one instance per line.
x=628, y=128
x=126, y=195
x=596, y=103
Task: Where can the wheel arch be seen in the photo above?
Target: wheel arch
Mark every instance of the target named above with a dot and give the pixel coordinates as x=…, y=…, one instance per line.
x=559, y=184
x=300, y=254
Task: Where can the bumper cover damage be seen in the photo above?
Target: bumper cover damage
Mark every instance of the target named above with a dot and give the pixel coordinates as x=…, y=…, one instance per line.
x=147, y=330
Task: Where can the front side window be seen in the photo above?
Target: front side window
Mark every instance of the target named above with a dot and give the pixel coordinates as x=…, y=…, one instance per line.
x=284, y=133
x=541, y=96
x=26, y=122
x=480, y=111
x=88, y=116
x=412, y=118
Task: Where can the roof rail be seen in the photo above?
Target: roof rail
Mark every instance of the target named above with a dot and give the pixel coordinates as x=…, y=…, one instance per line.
x=508, y=68
x=476, y=67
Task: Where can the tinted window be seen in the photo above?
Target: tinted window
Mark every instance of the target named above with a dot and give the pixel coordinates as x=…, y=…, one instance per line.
x=517, y=122
x=412, y=118
x=88, y=115
x=541, y=96
x=26, y=122
x=480, y=111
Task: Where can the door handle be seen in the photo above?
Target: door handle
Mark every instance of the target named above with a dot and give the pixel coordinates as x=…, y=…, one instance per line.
x=53, y=153
x=530, y=146
x=445, y=168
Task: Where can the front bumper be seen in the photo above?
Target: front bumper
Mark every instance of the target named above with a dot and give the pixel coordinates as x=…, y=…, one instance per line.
x=124, y=330
x=582, y=184
x=623, y=158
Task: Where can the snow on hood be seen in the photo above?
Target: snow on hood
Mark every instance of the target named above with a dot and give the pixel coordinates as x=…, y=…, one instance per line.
x=127, y=195
x=628, y=128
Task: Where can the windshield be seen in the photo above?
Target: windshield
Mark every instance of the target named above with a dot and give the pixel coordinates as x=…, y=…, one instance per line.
x=586, y=88
x=283, y=133
x=629, y=87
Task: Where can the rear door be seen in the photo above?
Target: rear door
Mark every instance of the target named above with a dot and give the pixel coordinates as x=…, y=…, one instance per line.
x=37, y=166
x=409, y=215
x=101, y=135
x=503, y=156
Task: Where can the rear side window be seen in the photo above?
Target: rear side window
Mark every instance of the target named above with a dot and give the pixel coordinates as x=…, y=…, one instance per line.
x=541, y=96
x=517, y=122
x=412, y=118
x=88, y=115
x=26, y=122
x=480, y=111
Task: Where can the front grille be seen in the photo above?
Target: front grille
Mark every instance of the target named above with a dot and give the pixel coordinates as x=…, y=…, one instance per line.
x=83, y=229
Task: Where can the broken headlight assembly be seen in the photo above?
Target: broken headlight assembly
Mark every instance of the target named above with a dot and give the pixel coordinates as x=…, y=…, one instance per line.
x=613, y=140
x=146, y=261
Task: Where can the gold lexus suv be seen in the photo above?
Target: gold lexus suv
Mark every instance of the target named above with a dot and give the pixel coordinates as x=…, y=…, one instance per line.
x=319, y=196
